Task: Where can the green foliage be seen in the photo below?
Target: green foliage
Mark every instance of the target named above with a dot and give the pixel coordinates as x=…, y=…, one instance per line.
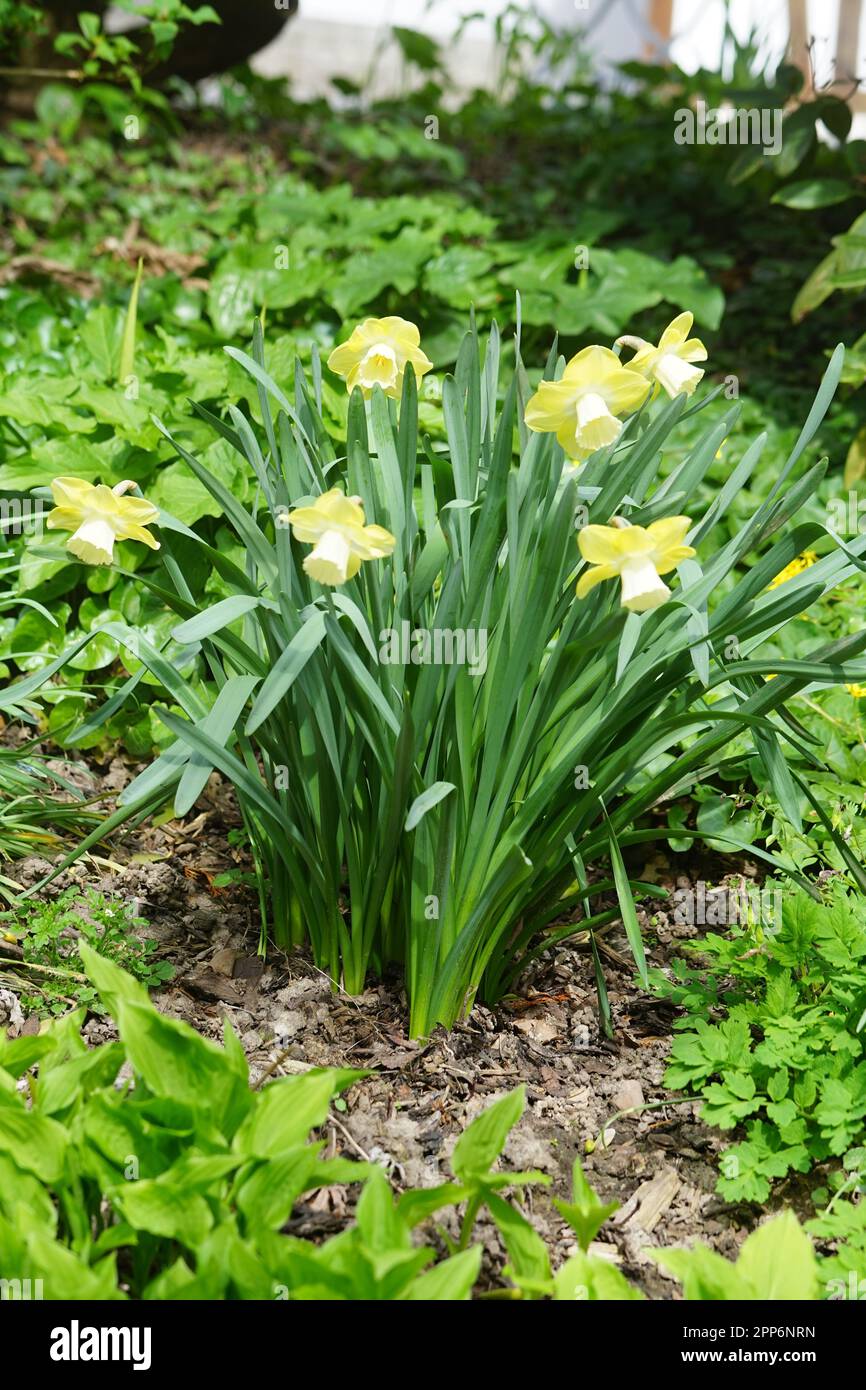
x=788, y=1057
x=37, y=807
x=179, y=1182
x=776, y=1264
x=314, y=258
x=462, y=787
x=19, y=20
x=405, y=786
x=585, y=1214
x=529, y=188
x=841, y=1228
x=49, y=933
x=121, y=59
x=180, y=1185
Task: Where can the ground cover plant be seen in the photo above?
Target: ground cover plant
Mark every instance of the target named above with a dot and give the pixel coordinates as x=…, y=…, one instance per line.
x=178, y=1184
x=40, y=946
x=773, y=1036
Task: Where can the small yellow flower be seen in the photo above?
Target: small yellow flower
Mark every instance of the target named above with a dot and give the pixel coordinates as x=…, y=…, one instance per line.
x=858, y=691
x=377, y=353
x=99, y=516
x=669, y=364
x=334, y=526
x=581, y=408
x=638, y=556
x=802, y=562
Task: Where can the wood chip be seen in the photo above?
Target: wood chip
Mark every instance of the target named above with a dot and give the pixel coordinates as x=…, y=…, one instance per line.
x=648, y=1204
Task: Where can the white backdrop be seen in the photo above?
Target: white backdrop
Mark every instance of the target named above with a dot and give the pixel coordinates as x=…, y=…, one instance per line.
x=331, y=37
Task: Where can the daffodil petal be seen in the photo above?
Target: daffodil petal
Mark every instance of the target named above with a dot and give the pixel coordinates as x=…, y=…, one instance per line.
x=673, y=557
x=669, y=530
x=71, y=492
x=677, y=330
x=63, y=519
x=138, y=533
x=546, y=410
x=590, y=363
x=598, y=544
x=595, y=575
x=692, y=351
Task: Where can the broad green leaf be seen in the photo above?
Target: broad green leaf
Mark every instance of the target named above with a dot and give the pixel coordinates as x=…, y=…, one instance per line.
x=483, y=1140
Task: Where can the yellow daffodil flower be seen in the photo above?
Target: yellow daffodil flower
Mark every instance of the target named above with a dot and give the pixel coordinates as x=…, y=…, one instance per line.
x=334, y=526
x=581, y=408
x=377, y=353
x=638, y=556
x=669, y=364
x=802, y=562
x=99, y=516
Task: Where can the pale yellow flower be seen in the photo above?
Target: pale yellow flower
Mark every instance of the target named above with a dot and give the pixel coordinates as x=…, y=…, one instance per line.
x=669, y=364
x=638, y=556
x=334, y=526
x=581, y=409
x=99, y=516
x=377, y=353
x=802, y=562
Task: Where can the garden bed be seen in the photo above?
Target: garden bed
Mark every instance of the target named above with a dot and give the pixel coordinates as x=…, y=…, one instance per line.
x=661, y=1163
x=451, y=561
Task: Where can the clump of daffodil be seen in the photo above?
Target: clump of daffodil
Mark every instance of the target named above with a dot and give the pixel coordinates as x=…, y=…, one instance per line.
x=99, y=516
x=802, y=562
x=670, y=363
x=637, y=555
x=581, y=409
x=377, y=353
x=334, y=526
